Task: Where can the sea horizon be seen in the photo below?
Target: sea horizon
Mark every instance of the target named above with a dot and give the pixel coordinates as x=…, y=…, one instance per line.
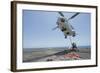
x=54, y=48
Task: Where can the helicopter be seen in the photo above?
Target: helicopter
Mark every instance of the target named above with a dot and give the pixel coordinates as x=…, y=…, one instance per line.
x=64, y=25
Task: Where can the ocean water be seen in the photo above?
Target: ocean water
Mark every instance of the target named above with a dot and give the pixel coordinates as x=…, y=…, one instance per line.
x=52, y=48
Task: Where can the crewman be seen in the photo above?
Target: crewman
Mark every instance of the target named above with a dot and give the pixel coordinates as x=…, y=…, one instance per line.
x=74, y=46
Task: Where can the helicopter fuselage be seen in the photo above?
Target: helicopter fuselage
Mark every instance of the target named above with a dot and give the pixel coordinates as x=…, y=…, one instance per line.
x=65, y=27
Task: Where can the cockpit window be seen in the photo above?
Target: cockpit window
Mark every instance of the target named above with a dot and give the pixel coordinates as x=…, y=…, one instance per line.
x=62, y=20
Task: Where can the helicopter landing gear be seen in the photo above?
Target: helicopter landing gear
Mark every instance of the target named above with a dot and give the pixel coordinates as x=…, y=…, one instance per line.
x=74, y=34
x=65, y=36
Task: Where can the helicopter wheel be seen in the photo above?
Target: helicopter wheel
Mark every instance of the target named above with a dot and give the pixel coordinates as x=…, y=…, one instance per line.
x=65, y=36
x=74, y=34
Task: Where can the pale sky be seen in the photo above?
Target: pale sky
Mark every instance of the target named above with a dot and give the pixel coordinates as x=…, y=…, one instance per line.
x=38, y=33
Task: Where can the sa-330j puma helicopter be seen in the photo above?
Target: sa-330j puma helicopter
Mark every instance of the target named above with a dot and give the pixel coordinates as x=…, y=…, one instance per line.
x=64, y=25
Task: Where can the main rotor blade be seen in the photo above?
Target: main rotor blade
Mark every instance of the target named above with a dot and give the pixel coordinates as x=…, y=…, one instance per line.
x=74, y=15
x=61, y=14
